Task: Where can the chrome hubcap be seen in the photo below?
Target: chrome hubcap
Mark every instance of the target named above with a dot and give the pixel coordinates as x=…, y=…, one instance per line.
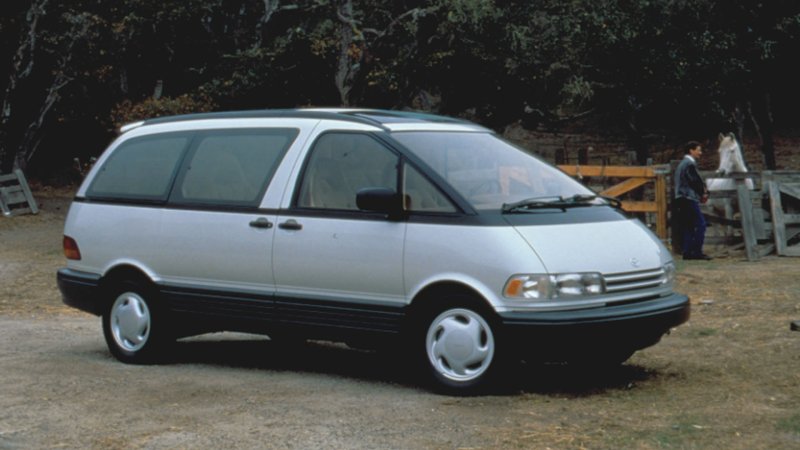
x=130, y=321
x=460, y=344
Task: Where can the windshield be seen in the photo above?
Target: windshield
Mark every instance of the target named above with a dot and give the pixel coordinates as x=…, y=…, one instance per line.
x=488, y=171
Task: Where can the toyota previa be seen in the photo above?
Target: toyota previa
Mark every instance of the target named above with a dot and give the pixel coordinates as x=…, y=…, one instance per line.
x=423, y=234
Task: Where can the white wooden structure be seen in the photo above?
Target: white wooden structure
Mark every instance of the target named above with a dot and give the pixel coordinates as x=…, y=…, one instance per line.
x=15, y=195
x=768, y=216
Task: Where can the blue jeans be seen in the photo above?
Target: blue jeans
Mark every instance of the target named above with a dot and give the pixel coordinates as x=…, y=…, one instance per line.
x=693, y=227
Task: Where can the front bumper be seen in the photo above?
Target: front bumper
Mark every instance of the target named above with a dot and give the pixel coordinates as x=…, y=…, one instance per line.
x=80, y=290
x=631, y=326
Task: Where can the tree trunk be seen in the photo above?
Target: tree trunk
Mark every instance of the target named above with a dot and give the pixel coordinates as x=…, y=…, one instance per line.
x=32, y=138
x=635, y=140
x=354, y=58
x=270, y=7
x=739, y=117
x=763, y=123
x=21, y=68
x=349, y=53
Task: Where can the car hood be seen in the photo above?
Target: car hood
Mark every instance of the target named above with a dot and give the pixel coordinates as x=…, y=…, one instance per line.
x=607, y=247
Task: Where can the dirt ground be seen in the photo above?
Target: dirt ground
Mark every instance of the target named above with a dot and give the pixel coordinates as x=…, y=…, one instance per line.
x=730, y=378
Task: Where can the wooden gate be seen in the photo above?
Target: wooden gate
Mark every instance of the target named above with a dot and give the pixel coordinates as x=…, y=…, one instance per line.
x=784, y=204
x=635, y=177
x=768, y=217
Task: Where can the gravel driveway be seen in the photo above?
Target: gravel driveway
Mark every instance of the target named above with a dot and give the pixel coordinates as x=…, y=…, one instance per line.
x=61, y=388
x=727, y=379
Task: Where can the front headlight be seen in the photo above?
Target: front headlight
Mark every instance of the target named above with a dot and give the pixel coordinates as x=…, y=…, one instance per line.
x=669, y=272
x=547, y=287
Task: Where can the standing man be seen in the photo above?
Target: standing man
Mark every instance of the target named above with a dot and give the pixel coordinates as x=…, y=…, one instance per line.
x=690, y=191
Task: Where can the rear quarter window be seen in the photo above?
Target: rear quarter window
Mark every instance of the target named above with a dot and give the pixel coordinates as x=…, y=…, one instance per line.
x=231, y=167
x=140, y=169
x=210, y=167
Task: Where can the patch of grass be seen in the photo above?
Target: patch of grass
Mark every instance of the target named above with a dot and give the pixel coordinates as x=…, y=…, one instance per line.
x=683, y=431
x=702, y=332
x=790, y=424
x=677, y=435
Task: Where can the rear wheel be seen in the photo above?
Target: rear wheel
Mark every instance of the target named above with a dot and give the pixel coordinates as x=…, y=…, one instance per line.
x=134, y=325
x=460, y=347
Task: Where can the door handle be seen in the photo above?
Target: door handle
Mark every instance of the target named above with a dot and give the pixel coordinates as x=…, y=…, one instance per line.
x=261, y=222
x=290, y=224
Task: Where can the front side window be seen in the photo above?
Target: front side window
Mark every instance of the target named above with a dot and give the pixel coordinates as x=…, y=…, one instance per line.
x=140, y=169
x=487, y=171
x=423, y=196
x=341, y=164
x=231, y=167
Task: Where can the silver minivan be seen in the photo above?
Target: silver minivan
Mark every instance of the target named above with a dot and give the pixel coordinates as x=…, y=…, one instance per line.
x=424, y=233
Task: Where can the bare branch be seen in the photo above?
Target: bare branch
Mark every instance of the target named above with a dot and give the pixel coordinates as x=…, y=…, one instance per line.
x=80, y=25
x=355, y=24
x=22, y=66
x=354, y=45
x=271, y=7
x=575, y=116
x=414, y=13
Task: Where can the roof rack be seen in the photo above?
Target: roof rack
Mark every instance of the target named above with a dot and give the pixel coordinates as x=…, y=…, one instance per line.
x=375, y=117
x=386, y=116
x=258, y=114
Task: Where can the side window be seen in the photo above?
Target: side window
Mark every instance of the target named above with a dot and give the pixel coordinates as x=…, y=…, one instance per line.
x=231, y=167
x=140, y=169
x=340, y=164
x=423, y=196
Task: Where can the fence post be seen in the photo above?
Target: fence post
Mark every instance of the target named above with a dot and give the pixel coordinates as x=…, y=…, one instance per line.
x=583, y=155
x=748, y=225
x=776, y=211
x=661, y=204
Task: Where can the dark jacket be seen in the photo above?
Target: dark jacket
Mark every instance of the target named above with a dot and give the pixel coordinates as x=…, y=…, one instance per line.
x=688, y=183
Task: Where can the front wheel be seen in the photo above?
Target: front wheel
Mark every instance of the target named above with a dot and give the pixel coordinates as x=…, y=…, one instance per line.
x=460, y=346
x=134, y=325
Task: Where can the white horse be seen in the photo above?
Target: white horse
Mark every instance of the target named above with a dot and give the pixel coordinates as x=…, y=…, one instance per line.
x=731, y=161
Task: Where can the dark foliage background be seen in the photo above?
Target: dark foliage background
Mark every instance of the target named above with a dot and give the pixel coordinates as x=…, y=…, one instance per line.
x=74, y=70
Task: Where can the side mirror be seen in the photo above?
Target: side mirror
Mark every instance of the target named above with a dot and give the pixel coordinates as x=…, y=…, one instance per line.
x=382, y=200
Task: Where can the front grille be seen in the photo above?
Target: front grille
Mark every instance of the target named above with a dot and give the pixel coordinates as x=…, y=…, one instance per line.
x=632, y=281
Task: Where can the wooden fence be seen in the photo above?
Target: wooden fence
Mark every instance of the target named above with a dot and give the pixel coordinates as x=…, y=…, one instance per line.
x=784, y=195
x=763, y=220
x=635, y=177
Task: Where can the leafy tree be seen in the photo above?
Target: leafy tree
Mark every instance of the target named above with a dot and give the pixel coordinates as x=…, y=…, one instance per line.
x=54, y=36
x=76, y=69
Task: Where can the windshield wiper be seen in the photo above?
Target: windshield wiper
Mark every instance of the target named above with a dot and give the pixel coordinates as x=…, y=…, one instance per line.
x=558, y=202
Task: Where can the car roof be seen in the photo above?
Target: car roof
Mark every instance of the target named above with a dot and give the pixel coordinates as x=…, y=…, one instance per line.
x=387, y=119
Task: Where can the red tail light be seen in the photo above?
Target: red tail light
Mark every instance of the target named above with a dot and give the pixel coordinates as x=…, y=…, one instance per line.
x=71, y=250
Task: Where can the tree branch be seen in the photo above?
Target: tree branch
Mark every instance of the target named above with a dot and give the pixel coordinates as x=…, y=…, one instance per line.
x=31, y=139
x=23, y=57
x=271, y=7
x=352, y=55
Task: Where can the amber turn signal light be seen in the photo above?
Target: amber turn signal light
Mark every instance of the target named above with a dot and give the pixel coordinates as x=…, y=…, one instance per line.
x=71, y=250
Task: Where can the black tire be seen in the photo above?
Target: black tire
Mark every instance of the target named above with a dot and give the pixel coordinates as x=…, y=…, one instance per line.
x=458, y=345
x=135, y=324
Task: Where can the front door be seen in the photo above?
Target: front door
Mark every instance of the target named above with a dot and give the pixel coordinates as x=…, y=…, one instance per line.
x=334, y=264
